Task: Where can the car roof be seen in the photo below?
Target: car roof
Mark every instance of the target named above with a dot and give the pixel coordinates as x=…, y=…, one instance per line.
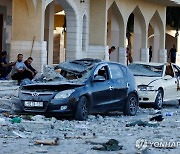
x=151, y=63
x=78, y=66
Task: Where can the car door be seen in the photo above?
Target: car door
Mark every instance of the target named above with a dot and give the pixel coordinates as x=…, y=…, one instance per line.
x=170, y=85
x=177, y=75
x=120, y=85
x=102, y=94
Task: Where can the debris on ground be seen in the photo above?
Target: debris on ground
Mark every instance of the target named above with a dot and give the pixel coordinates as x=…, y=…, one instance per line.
x=142, y=123
x=110, y=145
x=158, y=118
x=19, y=134
x=47, y=142
x=79, y=137
x=15, y=120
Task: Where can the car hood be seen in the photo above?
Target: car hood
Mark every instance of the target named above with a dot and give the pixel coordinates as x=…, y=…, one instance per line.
x=143, y=80
x=59, y=86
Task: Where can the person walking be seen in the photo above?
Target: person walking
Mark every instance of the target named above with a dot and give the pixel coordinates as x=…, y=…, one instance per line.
x=173, y=54
x=150, y=53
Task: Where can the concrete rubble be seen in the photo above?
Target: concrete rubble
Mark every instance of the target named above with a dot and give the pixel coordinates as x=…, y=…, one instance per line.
x=37, y=134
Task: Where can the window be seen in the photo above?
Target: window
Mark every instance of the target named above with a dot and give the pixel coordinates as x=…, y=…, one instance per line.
x=116, y=71
x=102, y=72
x=169, y=70
x=177, y=71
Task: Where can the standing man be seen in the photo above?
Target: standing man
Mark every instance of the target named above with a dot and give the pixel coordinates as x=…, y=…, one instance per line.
x=5, y=68
x=19, y=70
x=173, y=54
x=29, y=66
x=111, y=50
x=150, y=53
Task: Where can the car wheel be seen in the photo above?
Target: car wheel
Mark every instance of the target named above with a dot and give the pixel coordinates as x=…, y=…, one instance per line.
x=131, y=105
x=82, y=109
x=159, y=100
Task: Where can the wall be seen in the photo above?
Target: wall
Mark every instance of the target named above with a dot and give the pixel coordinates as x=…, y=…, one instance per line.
x=144, y=11
x=6, y=10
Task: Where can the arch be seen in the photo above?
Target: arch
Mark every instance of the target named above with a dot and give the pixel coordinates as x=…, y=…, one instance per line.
x=71, y=28
x=159, y=35
x=140, y=34
x=115, y=29
x=84, y=33
x=138, y=17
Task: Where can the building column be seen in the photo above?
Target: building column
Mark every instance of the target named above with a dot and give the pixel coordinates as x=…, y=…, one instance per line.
x=122, y=55
x=28, y=32
x=49, y=31
x=162, y=55
x=145, y=55
x=98, y=30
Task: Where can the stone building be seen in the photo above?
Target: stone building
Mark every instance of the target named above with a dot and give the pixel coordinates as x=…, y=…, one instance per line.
x=52, y=31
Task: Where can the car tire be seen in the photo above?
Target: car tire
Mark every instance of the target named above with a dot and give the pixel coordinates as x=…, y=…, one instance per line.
x=82, y=109
x=131, y=105
x=159, y=100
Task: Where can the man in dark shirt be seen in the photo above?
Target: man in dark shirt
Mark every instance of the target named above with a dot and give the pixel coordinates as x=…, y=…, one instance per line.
x=5, y=68
x=111, y=50
x=173, y=54
x=150, y=53
x=28, y=65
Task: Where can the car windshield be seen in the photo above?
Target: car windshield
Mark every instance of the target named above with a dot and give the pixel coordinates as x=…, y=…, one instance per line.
x=74, y=76
x=146, y=70
x=74, y=70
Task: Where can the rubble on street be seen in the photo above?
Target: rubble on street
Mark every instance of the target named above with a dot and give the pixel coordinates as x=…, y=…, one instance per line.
x=38, y=134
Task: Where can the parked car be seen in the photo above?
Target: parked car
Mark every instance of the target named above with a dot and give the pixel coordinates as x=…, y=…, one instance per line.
x=156, y=82
x=83, y=87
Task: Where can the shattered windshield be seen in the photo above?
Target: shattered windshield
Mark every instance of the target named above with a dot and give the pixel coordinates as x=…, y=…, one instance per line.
x=68, y=71
x=146, y=70
x=74, y=76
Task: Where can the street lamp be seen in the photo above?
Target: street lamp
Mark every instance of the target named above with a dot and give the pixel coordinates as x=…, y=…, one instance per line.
x=82, y=1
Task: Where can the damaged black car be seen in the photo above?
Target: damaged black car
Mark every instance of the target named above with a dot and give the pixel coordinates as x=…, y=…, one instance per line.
x=79, y=88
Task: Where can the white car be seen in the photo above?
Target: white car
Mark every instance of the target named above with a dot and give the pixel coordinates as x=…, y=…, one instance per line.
x=156, y=82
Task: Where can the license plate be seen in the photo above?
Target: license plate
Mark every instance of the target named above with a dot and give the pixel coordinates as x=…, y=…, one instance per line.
x=33, y=104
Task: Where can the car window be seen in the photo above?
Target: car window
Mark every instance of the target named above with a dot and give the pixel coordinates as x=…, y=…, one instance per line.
x=116, y=71
x=169, y=70
x=177, y=71
x=103, y=71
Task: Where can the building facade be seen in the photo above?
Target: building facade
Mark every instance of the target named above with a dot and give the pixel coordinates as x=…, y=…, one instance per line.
x=52, y=31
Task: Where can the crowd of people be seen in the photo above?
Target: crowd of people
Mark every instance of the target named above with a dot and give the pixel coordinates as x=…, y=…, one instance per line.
x=17, y=70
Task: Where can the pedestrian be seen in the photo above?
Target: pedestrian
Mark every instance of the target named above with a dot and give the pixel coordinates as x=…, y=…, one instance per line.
x=150, y=53
x=28, y=63
x=173, y=54
x=19, y=70
x=5, y=68
x=111, y=50
x=128, y=55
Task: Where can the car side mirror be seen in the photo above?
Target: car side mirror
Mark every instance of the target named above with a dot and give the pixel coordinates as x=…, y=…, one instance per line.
x=167, y=77
x=99, y=78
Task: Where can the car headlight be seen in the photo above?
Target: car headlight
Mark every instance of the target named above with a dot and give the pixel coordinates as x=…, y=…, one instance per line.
x=145, y=88
x=64, y=94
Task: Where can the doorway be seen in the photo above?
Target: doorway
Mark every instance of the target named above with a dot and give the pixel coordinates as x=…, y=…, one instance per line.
x=1, y=31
